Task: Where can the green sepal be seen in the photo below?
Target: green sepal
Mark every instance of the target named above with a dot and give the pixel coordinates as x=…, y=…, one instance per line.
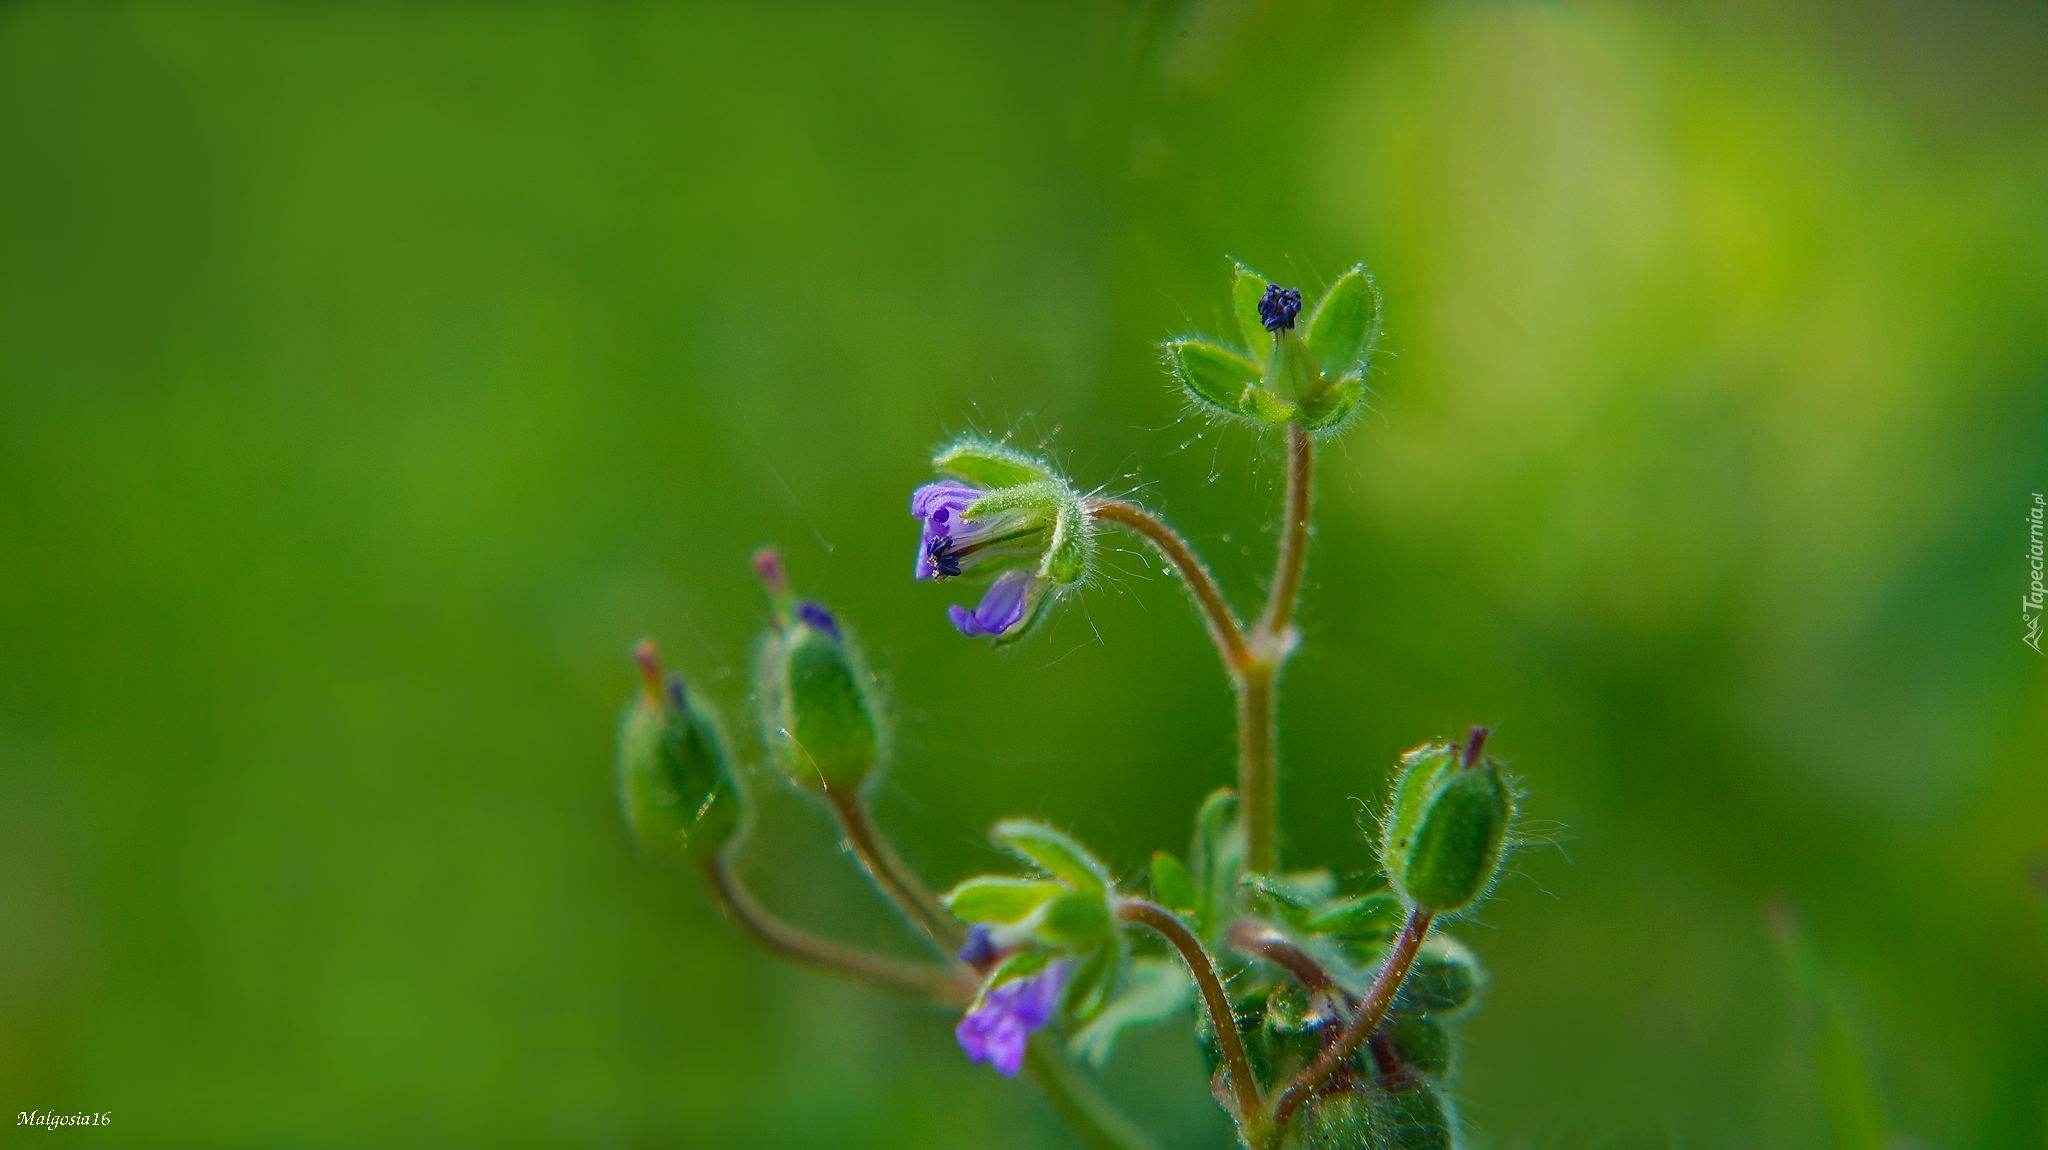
x=1362, y=918
x=1153, y=990
x=1457, y=848
x=1212, y=374
x=1445, y=981
x=999, y=898
x=989, y=464
x=1410, y=1114
x=1245, y=292
x=1291, y=373
x=1335, y=1120
x=1341, y=332
x=675, y=788
x=1073, y=919
x=1060, y=856
x=1022, y=964
x=1415, y=783
x=1295, y=896
x=1333, y=404
x=1174, y=887
x=1094, y=978
x=819, y=715
x=1289, y=1032
x=1265, y=407
x=1071, y=545
x=1422, y=1045
x=1216, y=857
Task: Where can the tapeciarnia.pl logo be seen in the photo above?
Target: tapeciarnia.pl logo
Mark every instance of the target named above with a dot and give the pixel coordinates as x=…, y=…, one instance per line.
x=2032, y=602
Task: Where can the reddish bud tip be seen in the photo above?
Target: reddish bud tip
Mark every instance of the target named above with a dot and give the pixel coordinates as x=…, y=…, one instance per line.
x=649, y=663
x=1475, y=742
x=768, y=565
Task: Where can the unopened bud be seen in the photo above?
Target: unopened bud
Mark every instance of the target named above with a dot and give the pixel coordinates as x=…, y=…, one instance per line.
x=1446, y=830
x=819, y=714
x=674, y=787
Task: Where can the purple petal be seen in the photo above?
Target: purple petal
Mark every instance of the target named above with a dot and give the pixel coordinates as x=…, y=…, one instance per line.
x=939, y=505
x=1001, y=608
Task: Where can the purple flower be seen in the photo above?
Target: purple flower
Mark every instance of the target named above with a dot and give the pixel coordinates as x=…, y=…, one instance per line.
x=997, y=1030
x=1278, y=307
x=950, y=545
x=1002, y=606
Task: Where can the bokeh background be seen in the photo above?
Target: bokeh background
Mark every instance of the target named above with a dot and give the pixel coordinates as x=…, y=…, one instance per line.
x=371, y=375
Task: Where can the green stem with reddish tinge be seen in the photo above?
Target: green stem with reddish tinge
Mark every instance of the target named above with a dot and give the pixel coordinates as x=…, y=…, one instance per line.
x=949, y=986
x=1251, y=1108
x=891, y=875
x=1370, y=1013
x=1224, y=629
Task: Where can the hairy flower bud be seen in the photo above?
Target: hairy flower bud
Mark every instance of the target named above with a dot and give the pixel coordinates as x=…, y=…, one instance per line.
x=675, y=789
x=1008, y=517
x=1305, y=371
x=1446, y=830
x=820, y=717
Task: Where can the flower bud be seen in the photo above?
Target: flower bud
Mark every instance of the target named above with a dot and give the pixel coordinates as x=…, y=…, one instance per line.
x=1445, y=981
x=820, y=718
x=1310, y=373
x=1446, y=830
x=675, y=789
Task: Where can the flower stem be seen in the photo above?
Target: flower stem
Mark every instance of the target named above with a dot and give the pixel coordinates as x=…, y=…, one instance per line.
x=891, y=875
x=1224, y=628
x=911, y=979
x=1248, y=936
x=1251, y=1109
x=1286, y=589
x=1268, y=645
x=1098, y=1122
x=1384, y=987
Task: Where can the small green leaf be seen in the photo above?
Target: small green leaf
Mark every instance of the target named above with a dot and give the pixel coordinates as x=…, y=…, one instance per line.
x=1294, y=896
x=1153, y=990
x=1333, y=404
x=1341, y=331
x=1215, y=375
x=1173, y=886
x=991, y=464
x=1420, y=1043
x=1363, y=918
x=1074, y=918
x=1244, y=300
x=999, y=898
x=1062, y=857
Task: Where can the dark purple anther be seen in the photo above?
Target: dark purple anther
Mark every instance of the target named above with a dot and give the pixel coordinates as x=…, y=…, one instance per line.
x=1475, y=742
x=997, y=1031
x=1278, y=307
x=817, y=616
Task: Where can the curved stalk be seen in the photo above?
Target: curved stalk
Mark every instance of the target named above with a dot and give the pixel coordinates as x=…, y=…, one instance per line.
x=1384, y=987
x=1251, y=1109
x=918, y=980
x=1224, y=628
x=891, y=875
x=1247, y=936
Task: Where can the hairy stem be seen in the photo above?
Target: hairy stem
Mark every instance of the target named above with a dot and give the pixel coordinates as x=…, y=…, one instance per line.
x=1251, y=1109
x=1099, y=1123
x=1224, y=628
x=1257, y=775
x=1370, y=1013
x=1248, y=936
x=945, y=985
x=1301, y=479
x=891, y=875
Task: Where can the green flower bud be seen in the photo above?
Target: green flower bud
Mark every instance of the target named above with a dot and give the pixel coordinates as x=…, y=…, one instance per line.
x=1446, y=831
x=675, y=789
x=1311, y=375
x=820, y=717
x=1445, y=981
x=1420, y=1045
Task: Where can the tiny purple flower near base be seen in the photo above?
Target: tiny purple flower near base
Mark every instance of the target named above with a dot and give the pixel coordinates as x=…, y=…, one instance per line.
x=1001, y=608
x=816, y=615
x=1278, y=307
x=939, y=505
x=998, y=1030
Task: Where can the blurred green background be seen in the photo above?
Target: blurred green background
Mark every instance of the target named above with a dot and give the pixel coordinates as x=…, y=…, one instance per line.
x=372, y=375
